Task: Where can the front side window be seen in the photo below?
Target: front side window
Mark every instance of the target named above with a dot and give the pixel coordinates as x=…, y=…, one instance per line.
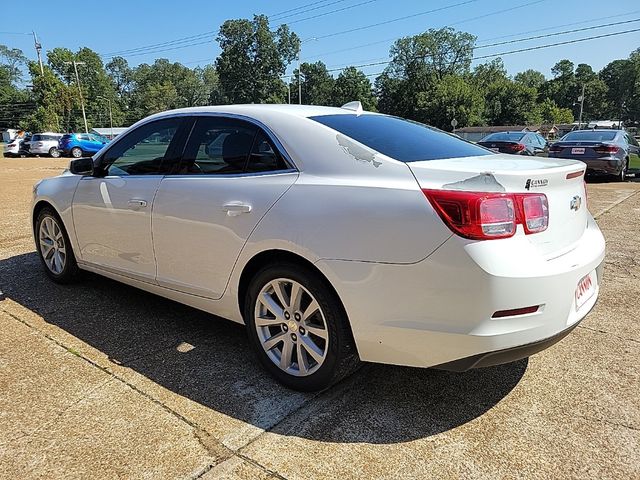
x=144, y=151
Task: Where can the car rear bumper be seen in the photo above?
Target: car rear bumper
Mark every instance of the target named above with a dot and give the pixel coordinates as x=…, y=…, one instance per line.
x=602, y=166
x=440, y=310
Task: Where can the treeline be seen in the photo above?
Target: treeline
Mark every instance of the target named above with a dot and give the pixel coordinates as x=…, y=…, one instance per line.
x=428, y=78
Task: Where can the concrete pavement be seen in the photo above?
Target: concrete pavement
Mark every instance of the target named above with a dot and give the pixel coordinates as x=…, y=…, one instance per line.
x=100, y=380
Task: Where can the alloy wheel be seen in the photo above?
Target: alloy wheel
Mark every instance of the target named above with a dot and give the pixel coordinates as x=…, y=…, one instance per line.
x=52, y=245
x=291, y=327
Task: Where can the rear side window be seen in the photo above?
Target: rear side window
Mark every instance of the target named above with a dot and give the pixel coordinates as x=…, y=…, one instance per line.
x=264, y=157
x=590, y=136
x=400, y=139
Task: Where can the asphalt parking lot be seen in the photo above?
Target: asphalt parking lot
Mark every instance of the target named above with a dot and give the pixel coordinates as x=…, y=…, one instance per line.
x=100, y=380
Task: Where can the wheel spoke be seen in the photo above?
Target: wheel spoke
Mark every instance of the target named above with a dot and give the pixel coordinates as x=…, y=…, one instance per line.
x=296, y=296
x=302, y=359
x=268, y=322
x=274, y=340
x=278, y=288
x=311, y=309
x=318, y=332
x=271, y=305
x=312, y=349
x=285, y=357
x=46, y=248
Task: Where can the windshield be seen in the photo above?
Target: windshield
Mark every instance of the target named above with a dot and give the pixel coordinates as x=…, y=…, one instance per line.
x=400, y=139
x=590, y=136
x=503, y=137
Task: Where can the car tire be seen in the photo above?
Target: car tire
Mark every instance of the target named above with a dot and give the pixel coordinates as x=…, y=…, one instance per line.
x=54, y=247
x=314, y=338
x=622, y=176
x=76, y=152
x=54, y=152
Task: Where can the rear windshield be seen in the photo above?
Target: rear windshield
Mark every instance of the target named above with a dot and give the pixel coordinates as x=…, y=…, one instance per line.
x=590, y=136
x=400, y=139
x=503, y=137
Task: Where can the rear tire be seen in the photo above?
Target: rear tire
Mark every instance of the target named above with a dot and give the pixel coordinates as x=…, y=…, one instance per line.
x=54, y=247
x=76, y=152
x=622, y=176
x=304, y=342
x=54, y=152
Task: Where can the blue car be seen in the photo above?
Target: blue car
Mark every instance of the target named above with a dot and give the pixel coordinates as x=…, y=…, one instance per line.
x=77, y=145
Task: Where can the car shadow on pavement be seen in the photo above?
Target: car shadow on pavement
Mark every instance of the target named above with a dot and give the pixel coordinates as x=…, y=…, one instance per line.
x=208, y=360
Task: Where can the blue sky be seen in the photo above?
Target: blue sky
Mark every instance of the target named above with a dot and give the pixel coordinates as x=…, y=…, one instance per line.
x=118, y=25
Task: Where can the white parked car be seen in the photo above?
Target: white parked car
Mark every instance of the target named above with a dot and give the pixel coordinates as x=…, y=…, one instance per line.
x=12, y=148
x=45, y=144
x=333, y=234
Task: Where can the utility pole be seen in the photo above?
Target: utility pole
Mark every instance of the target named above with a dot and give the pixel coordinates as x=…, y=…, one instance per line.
x=300, y=68
x=84, y=115
x=38, y=46
x=581, y=99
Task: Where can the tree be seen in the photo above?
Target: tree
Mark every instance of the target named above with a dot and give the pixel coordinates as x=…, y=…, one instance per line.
x=530, y=78
x=486, y=74
x=11, y=61
x=621, y=78
x=549, y=112
x=253, y=60
x=317, y=84
x=352, y=85
x=510, y=103
x=418, y=63
x=452, y=97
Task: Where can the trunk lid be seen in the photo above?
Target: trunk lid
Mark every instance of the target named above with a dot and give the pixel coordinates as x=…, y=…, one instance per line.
x=587, y=150
x=510, y=174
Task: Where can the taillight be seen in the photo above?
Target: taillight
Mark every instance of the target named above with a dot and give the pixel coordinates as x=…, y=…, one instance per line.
x=516, y=147
x=606, y=149
x=11, y=145
x=487, y=215
x=555, y=148
x=535, y=209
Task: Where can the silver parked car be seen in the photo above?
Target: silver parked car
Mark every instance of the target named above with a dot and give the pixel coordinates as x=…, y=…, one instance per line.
x=45, y=144
x=605, y=151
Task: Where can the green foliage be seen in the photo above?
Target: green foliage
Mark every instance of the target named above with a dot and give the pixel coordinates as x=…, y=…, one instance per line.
x=317, y=85
x=530, y=78
x=451, y=97
x=253, y=60
x=352, y=85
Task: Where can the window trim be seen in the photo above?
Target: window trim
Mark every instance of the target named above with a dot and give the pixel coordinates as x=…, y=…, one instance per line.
x=291, y=166
x=188, y=125
x=98, y=161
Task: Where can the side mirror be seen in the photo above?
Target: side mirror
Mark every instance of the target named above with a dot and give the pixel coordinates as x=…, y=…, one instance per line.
x=81, y=166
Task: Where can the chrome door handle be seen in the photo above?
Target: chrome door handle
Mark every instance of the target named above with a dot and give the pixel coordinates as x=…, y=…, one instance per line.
x=236, y=208
x=136, y=203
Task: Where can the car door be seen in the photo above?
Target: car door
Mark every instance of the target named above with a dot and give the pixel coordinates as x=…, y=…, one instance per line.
x=231, y=173
x=540, y=145
x=634, y=151
x=112, y=210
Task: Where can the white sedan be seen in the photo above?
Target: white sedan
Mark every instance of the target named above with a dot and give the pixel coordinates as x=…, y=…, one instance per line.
x=333, y=234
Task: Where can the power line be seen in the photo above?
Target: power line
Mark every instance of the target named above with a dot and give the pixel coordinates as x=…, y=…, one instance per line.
x=188, y=41
x=387, y=22
x=566, y=32
x=378, y=42
x=332, y=12
x=523, y=39
x=279, y=16
x=511, y=52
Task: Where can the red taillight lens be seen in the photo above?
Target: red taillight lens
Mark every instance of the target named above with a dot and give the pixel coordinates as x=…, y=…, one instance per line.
x=606, y=149
x=536, y=212
x=516, y=147
x=555, y=148
x=488, y=215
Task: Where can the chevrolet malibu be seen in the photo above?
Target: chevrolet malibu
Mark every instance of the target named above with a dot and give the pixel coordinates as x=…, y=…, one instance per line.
x=334, y=235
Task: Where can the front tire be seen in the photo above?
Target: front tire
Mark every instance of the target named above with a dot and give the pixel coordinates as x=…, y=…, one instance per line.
x=54, y=152
x=76, y=152
x=54, y=248
x=298, y=328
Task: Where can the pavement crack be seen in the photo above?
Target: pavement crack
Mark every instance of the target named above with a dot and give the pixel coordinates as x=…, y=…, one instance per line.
x=595, y=330
x=615, y=204
x=609, y=422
